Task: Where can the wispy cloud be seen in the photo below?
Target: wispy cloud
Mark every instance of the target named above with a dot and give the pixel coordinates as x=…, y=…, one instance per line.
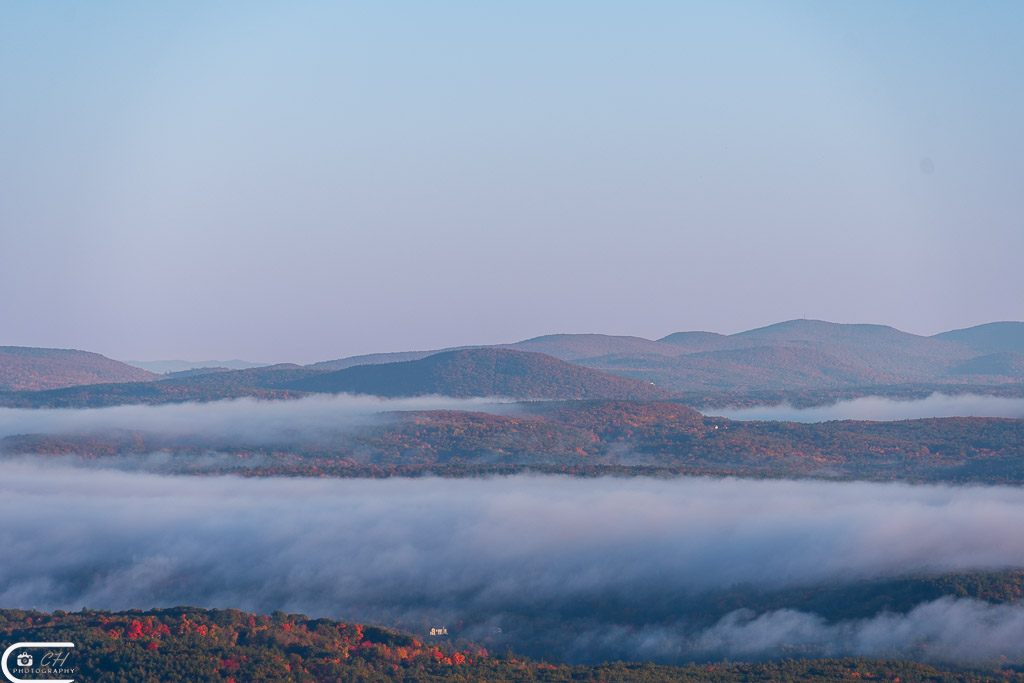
x=884, y=409
x=244, y=419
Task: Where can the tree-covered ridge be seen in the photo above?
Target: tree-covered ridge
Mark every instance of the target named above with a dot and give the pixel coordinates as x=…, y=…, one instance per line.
x=798, y=355
x=482, y=372
x=33, y=369
x=194, y=645
x=794, y=361
x=261, y=383
x=462, y=373
x=597, y=437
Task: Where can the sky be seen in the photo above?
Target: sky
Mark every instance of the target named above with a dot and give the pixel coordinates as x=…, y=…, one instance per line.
x=305, y=181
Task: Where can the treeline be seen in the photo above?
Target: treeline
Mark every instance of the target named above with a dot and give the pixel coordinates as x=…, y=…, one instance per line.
x=193, y=645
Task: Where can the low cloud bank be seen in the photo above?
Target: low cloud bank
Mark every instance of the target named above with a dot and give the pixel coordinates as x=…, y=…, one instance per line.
x=544, y=559
x=884, y=409
x=245, y=419
x=947, y=630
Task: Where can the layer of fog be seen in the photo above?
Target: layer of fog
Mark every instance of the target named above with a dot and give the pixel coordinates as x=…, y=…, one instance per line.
x=946, y=630
x=883, y=409
x=544, y=559
x=246, y=419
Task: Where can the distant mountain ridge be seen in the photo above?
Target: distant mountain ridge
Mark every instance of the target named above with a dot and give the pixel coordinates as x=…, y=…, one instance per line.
x=794, y=356
x=573, y=347
x=1000, y=337
x=695, y=342
x=262, y=383
x=743, y=368
x=481, y=372
x=28, y=368
x=168, y=366
x=372, y=359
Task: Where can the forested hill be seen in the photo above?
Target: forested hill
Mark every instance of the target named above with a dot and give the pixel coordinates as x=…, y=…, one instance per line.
x=262, y=383
x=793, y=355
x=1005, y=336
x=28, y=368
x=187, y=645
x=798, y=357
x=482, y=372
x=583, y=438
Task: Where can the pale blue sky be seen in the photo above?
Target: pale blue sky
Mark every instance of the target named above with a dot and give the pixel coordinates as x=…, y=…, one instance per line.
x=283, y=182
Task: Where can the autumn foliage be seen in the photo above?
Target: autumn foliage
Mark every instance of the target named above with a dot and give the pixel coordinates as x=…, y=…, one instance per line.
x=187, y=644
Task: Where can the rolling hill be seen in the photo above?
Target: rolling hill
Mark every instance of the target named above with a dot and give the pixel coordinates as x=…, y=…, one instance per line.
x=884, y=349
x=573, y=347
x=591, y=437
x=28, y=368
x=262, y=382
x=792, y=356
x=481, y=372
x=168, y=366
x=796, y=354
x=568, y=347
x=695, y=342
x=372, y=359
x=989, y=338
x=779, y=367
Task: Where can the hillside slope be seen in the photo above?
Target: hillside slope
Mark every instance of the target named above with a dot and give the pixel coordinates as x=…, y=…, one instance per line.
x=777, y=367
x=262, y=382
x=372, y=359
x=568, y=347
x=695, y=342
x=998, y=337
x=189, y=644
x=880, y=347
x=164, y=367
x=573, y=347
x=481, y=372
x=28, y=368
x=1005, y=365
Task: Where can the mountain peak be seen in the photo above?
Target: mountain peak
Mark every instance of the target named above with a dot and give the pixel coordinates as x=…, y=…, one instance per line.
x=487, y=371
x=32, y=368
x=805, y=329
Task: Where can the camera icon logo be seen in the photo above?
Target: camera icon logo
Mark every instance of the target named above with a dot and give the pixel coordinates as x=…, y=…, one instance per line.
x=50, y=662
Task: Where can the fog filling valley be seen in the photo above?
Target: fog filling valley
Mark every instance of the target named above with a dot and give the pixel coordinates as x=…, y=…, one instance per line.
x=255, y=421
x=242, y=419
x=582, y=569
x=883, y=409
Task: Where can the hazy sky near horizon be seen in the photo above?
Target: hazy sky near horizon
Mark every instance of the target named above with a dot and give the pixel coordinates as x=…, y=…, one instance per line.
x=302, y=181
